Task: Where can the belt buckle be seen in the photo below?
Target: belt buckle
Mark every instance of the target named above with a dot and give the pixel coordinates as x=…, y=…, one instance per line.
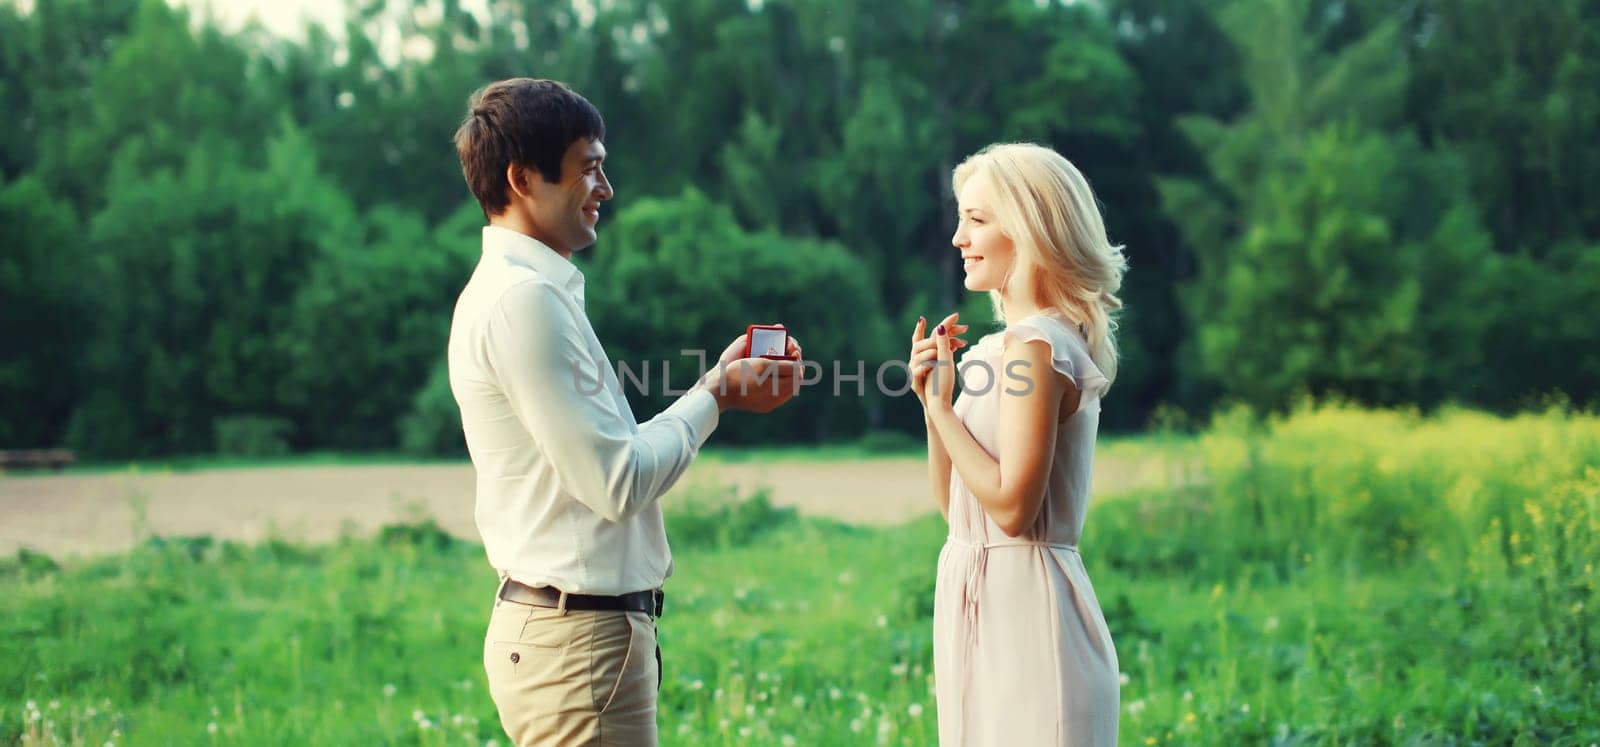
x=657, y=598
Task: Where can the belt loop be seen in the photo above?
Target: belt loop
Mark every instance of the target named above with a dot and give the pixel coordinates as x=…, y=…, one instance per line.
x=500, y=590
x=561, y=604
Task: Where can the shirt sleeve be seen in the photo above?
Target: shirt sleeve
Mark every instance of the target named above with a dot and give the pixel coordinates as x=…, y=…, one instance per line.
x=556, y=388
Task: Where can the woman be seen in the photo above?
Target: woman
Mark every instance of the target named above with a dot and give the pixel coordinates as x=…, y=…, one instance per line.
x=1022, y=655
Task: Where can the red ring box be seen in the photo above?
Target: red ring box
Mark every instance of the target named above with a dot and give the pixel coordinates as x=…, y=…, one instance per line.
x=760, y=339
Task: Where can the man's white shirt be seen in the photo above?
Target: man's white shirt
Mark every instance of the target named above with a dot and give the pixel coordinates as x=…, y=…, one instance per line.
x=567, y=479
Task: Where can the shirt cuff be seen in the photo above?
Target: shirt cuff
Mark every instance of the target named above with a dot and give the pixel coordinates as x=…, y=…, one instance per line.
x=699, y=410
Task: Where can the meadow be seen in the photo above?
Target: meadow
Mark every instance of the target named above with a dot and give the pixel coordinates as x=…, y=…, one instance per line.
x=1335, y=576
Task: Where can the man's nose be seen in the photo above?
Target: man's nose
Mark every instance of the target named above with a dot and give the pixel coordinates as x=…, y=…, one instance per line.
x=605, y=192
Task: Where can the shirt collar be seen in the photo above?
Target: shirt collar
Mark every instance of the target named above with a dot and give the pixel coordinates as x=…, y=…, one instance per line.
x=530, y=252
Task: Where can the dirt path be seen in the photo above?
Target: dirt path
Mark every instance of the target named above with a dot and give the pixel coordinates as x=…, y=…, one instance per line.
x=65, y=515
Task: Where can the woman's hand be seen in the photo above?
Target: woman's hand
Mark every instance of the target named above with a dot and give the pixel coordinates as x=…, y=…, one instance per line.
x=926, y=358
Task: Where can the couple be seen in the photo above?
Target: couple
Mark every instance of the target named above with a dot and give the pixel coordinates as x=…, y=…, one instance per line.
x=567, y=484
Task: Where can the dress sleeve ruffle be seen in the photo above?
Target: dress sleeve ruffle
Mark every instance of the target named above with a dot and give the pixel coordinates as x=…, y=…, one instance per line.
x=1069, y=353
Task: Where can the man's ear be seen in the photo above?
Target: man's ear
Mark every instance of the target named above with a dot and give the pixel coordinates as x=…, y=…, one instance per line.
x=517, y=179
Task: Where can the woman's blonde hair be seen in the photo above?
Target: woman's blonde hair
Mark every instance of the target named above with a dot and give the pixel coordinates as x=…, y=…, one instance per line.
x=1063, y=258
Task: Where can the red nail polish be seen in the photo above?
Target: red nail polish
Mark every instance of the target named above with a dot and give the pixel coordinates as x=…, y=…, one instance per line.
x=941, y=329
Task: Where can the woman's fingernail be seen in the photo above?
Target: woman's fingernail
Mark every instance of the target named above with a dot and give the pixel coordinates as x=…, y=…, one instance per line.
x=922, y=320
x=941, y=329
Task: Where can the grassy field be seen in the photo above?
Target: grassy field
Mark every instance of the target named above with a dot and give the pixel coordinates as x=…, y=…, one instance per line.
x=1335, y=577
x=881, y=445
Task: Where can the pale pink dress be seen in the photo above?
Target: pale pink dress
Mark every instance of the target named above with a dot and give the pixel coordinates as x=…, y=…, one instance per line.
x=1021, y=653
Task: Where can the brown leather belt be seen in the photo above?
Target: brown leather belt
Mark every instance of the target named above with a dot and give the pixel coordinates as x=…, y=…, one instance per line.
x=649, y=601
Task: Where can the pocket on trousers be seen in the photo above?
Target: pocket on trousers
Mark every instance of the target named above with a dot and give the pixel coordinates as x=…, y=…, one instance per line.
x=624, y=653
x=539, y=627
x=505, y=661
x=524, y=641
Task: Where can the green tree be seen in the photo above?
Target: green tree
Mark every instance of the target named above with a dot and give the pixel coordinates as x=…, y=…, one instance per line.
x=1541, y=324
x=47, y=58
x=164, y=90
x=680, y=274
x=46, y=314
x=195, y=277
x=1333, y=253
x=368, y=324
x=1515, y=87
x=1157, y=38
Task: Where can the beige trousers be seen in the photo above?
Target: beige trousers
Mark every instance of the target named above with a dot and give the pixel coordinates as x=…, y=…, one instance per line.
x=572, y=678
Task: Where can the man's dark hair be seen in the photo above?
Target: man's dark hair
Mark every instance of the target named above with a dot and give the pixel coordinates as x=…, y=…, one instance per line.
x=525, y=121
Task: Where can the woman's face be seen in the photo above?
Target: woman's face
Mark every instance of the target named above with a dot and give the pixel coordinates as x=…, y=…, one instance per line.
x=986, y=252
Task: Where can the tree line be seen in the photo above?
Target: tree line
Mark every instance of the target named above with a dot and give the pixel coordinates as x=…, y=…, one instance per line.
x=233, y=241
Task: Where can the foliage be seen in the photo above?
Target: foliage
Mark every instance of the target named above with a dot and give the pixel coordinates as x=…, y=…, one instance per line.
x=253, y=436
x=46, y=308
x=432, y=427
x=680, y=274
x=193, y=267
x=1331, y=576
x=1388, y=202
x=1334, y=255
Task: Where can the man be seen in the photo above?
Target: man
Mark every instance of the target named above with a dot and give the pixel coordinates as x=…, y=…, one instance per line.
x=567, y=480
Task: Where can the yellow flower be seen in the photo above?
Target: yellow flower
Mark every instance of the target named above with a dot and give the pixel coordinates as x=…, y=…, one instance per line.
x=1189, y=718
x=1535, y=513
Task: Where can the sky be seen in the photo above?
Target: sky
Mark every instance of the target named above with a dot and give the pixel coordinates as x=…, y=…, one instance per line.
x=284, y=17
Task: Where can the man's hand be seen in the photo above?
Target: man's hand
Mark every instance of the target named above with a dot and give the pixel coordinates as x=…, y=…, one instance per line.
x=754, y=384
x=758, y=385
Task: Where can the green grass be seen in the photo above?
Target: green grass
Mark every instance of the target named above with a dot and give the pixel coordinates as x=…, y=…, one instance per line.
x=1340, y=577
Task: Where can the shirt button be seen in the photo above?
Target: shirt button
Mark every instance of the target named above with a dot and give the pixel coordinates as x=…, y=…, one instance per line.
x=515, y=657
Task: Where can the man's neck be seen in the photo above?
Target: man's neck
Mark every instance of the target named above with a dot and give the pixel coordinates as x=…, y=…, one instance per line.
x=513, y=221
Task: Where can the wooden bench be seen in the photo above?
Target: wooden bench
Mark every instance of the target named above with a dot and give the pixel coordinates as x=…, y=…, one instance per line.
x=56, y=459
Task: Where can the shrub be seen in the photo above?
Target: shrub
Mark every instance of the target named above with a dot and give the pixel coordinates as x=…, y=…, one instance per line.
x=252, y=436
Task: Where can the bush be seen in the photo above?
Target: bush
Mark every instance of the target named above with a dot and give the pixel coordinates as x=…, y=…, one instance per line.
x=721, y=518
x=677, y=274
x=890, y=442
x=28, y=564
x=252, y=436
x=422, y=535
x=433, y=427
